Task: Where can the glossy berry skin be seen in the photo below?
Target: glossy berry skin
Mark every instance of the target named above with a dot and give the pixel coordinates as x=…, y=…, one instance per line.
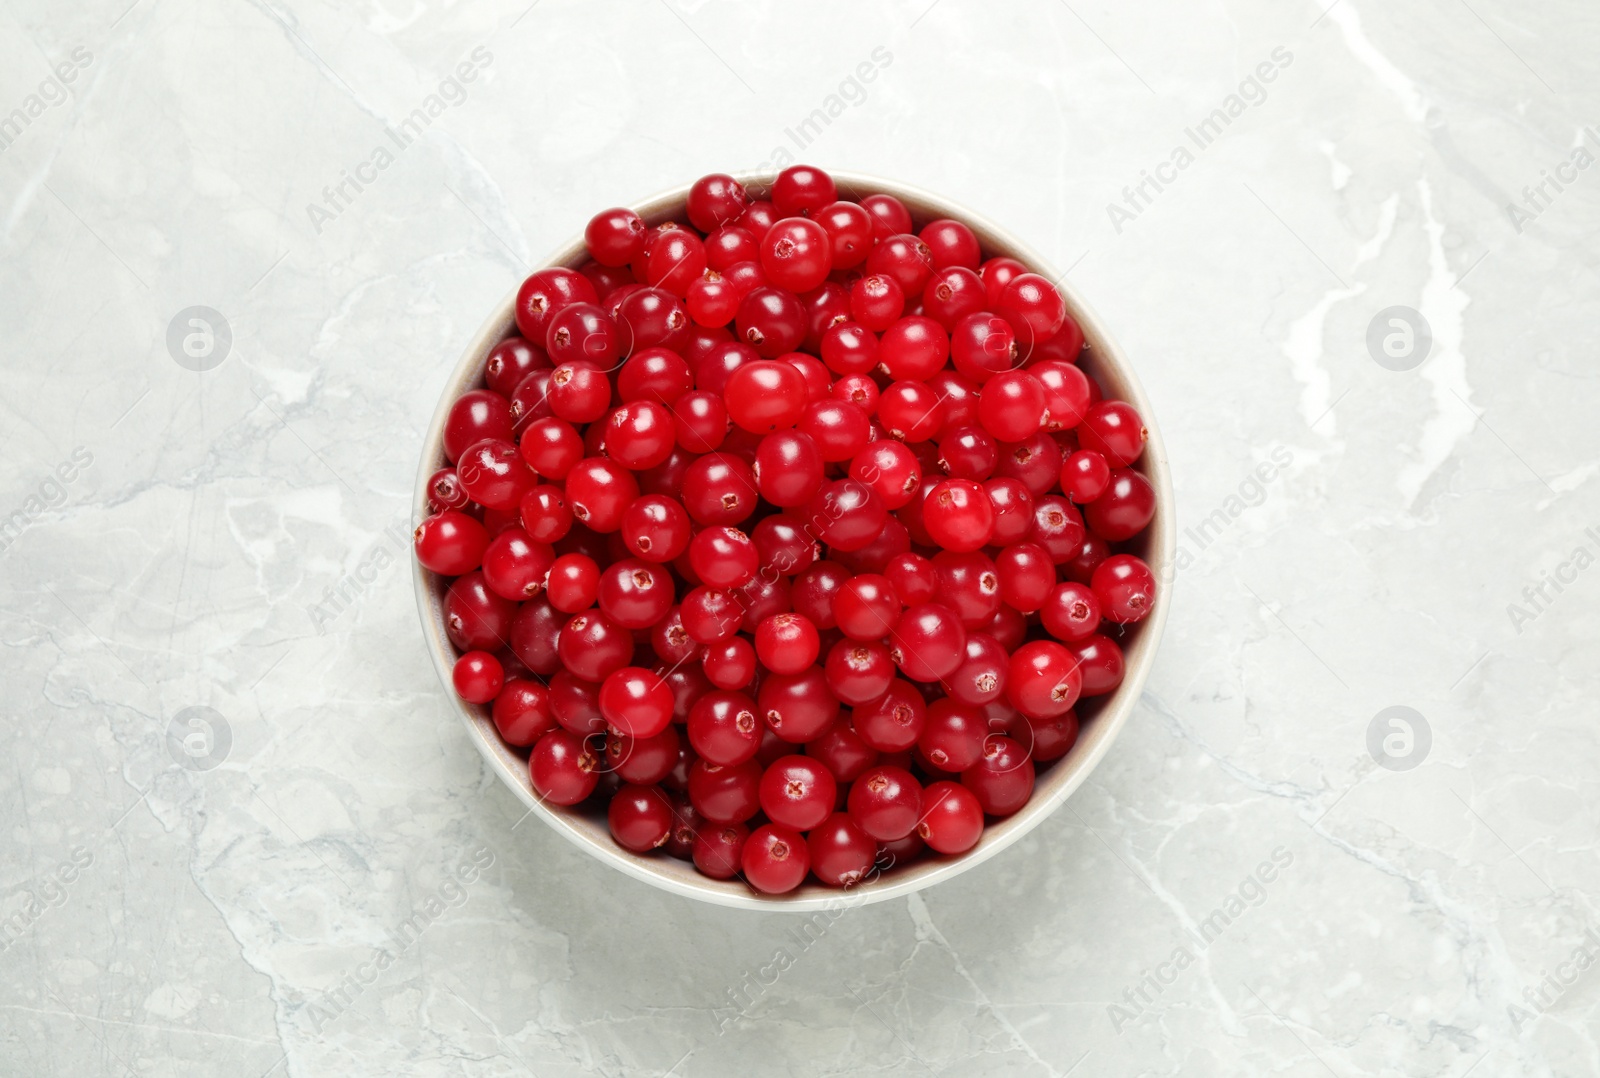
x=522, y=712
x=1125, y=587
x=494, y=475
x=723, y=728
x=475, y=617
x=1125, y=509
x=983, y=345
x=1101, y=663
x=950, y=243
x=876, y=301
x=719, y=488
x=1115, y=431
x=846, y=515
x=1033, y=307
x=579, y=392
x=797, y=707
x=635, y=594
x=1071, y=612
x=716, y=201
x=982, y=675
x=545, y=514
x=1012, y=406
x=787, y=643
x=894, y=721
x=951, y=295
x=615, y=237
x=952, y=818
x=840, y=429
x=911, y=411
x=1085, y=475
x=867, y=608
x=913, y=349
x=562, y=768
x=859, y=671
x=719, y=849
x=477, y=677
x=849, y=348
x=450, y=543
x=1067, y=391
x=885, y=802
x=640, y=817
x=1044, y=680
x=644, y=760
x=544, y=293
x=952, y=735
x=796, y=254
x=771, y=321
x=700, y=420
x=797, y=792
x=583, y=333
x=599, y=492
x=550, y=446
x=929, y=643
x=675, y=261
x=514, y=565
x=592, y=646
x=725, y=794
x=476, y=415
x=1057, y=527
x=775, y=859
x=444, y=490
x=654, y=374
x=575, y=704
x=889, y=216
x=842, y=855
x=915, y=579
x=849, y=228
x=723, y=557
x=766, y=396
x=572, y=583
x=802, y=191
x=636, y=702
x=890, y=469
x=905, y=258
x=959, y=515
x=1013, y=510
x=1002, y=779
x=651, y=318
x=509, y=362
x=655, y=528
x=532, y=635
x=789, y=468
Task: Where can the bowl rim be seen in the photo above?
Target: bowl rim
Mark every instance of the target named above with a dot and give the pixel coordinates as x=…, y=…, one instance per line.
x=1105, y=357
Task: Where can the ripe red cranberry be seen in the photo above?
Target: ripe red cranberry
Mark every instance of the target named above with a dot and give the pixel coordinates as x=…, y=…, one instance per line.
x=599, y=492
x=788, y=468
x=818, y=379
x=983, y=345
x=573, y=582
x=766, y=396
x=644, y=760
x=952, y=735
x=859, y=390
x=893, y=722
x=730, y=245
x=1085, y=475
x=996, y=273
x=968, y=452
x=1044, y=679
x=579, y=393
x=655, y=528
x=720, y=488
x=959, y=515
x=775, y=859
x=476, y=415
x=784, y=547
x=725, y=794
x=915, y=579
x=849, y=228
x=676, y=259
x=711, y=615
x=592, y=646
x=509, y=362
x=1125, y=509
x=444, y=491
x=842, y=855
x=723, y=728
x=700, y=421
x=950, y=243
x=522, y=712
x=929, y=643
x=981, y=677
x=651, y=318
x=798, y=792
x=1033, y=307
x=952, y=295
x=885, y=802
x=787, y=643
x=1125, y=587
x=797, y=707
x=719, y=849
x=635, y=594
x=840, y=429
x=615, y=237
x=905, y=258
x=771, y=320
x=514, y=565
x=849, y=348
x=544, y=293
x=866, y=607
x=450, y=543
x=911, y=411
x=533, y=632
x=952, y=818
x=723, y=557
x=654, y=374
x=1012, y=406
x=890, y=470
x=759, y=216
x=551, y=447
x=1071, y=613
x=876, y=301
x=1115, y=431
x=583, y=333
x=803, y=190
x=672, y=643
x=474, y=616
x=1100, y=662
x=715, y=201
x=640, y=817
x=1002, y=779
x=796, y=254
x=914, y=348
x=730, y=663
x=575, y=704
x=477, y=677
x=1066, y=393
x=858, y=671
x=889, y=216
x=1057, y=528
x=1026, y=574
x=846, y=515
x=562, y=768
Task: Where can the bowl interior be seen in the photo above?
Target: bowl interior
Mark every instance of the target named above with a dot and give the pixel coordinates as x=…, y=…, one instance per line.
x=1100, y=717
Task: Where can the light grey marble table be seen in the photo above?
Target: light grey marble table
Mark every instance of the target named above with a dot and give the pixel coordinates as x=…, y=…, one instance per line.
x=1272, y=874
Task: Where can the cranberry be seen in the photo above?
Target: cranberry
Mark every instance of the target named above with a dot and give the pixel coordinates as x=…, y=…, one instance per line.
x=718, y=849
x=905, y=258
x=1100, y=662
x=545, y=514
x=876, y=301
x=534, y=630
x=952, y=735
x=930, y=642
x=859, y=390
x=893, y=722
x=573, y=583
x=783, y=545
x=1044, y=679
x=842, y=854
x=725, y=794
x=771, y=321
x=885, y=802
x=890, y=470
x=592, y=646
x=514, y=565
x=1057, y=528
x=1125, y=509
x=849, y=228
x=1085, y=475
x=1012, y=405
x=575, y=704
x=801, y=190
x=551, y=447
x=788, y=468
x=450, y=543
x=719, y=488
x=715, y=201
x=775, y=859
x=635, y=594
x=996, y=274
x=951, y=243
x=759, y=216
x=1066, y=393
x=546, y=292
x=509, y=362
x=723, y=728
x=859, y=671
x=655, y=374
x=562, y=768
x=522, y=712
x=982, y=675
x=1002, y=779
x=842, y=752
x=655, y=528
x=766, y=396
x=914, y=348
x=675, y=261
x=1035, y=463
x=615, y=237
x=796, y=254
x=798, y=792
x=475, y=617
x=797, y=707
x=1115, y=431
x=730, y=245
x=1033, y=307
x=477, y=677
x=849, y=348
x=671, y=641
x=444, y=491
x=640, y=817
x=846, y=514
x=579, y=393
x=653, y=317
x=644, y=760
x=952, y=818
x=914, y=577
x=583, y=333
x=787, y=643
x=700, y=421
x=476, y=415
x=911, y=411
x=866, y=608
x=889, y=216
x=840, y=430
x=1072, y=612
x=959, y=515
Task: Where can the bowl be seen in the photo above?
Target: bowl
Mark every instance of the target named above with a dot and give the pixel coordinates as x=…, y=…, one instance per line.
x=1101, y=718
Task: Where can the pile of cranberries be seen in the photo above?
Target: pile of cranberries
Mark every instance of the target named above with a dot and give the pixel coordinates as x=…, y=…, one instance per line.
x=789, y=532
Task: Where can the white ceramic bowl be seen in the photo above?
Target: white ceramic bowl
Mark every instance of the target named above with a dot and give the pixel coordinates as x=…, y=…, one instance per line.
x=1102, y=717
